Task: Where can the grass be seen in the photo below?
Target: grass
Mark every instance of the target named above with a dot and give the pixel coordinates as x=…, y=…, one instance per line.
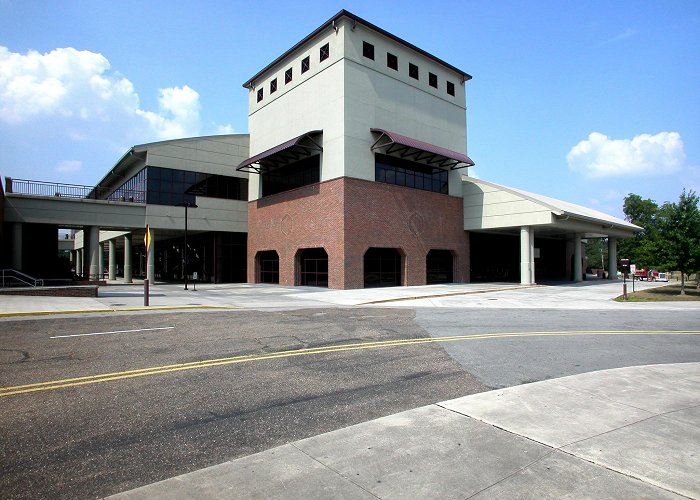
x=668, y=293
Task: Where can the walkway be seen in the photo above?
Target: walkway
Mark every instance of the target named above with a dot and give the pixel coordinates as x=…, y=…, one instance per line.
x=595, y=295
x=621, y=433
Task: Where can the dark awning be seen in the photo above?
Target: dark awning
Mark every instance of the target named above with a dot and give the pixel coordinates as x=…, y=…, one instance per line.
x=283, y=154
x=405, y=147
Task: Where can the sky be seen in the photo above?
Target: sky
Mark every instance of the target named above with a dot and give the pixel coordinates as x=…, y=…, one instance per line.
x=581, y=101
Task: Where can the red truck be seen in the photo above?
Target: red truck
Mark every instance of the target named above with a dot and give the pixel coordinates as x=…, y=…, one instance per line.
x=649, y=275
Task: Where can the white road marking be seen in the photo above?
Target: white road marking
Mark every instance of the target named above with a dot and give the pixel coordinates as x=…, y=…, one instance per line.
x=116, y=331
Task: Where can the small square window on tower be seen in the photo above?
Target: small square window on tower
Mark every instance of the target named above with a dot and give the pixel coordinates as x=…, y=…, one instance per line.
x=392, y=61
x=368, y=50
x=273, y=86
x=432, y=80
x=305, y=64
x=260, y=95
x=450, y=88
x=288, y=75
x=413, y=71
x=324, y=52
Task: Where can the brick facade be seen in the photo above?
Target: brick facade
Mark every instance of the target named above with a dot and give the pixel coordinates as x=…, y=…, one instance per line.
x=346, y=216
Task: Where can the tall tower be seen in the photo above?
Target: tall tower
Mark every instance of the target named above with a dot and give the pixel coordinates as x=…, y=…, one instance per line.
x=357, y=138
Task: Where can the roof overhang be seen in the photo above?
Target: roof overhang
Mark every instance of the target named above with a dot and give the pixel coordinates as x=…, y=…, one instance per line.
x=394, y=144
x=283, y=154
x=492, y=207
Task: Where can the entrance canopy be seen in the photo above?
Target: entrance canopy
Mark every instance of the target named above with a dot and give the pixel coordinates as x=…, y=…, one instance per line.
x=283, y=154
x=394, y=144
x=496, y=208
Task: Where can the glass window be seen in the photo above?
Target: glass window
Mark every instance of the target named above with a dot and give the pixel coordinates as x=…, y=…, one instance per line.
x=450, y=88
x=313, y=267
x=324, y=52
x=368, y=50
x=432, y=80
x=273, y=85
x=402, y=172
x=382, y=267
x=294, y=175
x=260, y=95
x=392, y=61
x=413, y=71
x=288, y=75
x=439, y=265
x=268, y=266
x=305, y=64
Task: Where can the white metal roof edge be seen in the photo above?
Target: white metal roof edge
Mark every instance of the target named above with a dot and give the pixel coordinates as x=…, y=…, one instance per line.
x=559, y=207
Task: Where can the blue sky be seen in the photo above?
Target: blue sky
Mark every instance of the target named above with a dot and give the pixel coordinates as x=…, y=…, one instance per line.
x=581, y=101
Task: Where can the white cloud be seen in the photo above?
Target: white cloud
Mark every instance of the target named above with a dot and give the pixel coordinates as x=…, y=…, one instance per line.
x=178, y=114
x=599, y=156
x=225, y=129
x=76, y=92
x=64, y=82
x=69, y=166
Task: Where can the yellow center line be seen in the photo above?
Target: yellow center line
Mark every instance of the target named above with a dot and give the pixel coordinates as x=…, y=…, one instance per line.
x=106, y=377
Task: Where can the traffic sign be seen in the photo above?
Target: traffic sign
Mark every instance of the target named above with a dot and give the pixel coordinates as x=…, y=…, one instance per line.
x=147, y=238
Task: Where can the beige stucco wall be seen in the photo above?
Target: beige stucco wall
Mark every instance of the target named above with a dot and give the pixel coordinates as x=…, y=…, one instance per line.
x=379, y=97
x=211, y=214
x=212, y=155
x=73, y=212
x=311, y=101
x=348, y=94
x=488, y=207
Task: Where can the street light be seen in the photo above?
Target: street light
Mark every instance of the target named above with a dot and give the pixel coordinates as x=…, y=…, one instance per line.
x=184, y=254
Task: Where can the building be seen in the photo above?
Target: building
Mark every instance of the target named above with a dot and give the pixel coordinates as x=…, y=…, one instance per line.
x=356, y=169
x=357, y=175
x=148, y=186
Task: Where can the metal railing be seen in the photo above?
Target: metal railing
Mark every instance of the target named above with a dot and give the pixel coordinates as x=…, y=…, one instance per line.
x=12, y=277
x=73, y=191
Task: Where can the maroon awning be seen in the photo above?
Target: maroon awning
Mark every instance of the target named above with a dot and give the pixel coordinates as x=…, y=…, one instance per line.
x=282, y=154
x=406, y=147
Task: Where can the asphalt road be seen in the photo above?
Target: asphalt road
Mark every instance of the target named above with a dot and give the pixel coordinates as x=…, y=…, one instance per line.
x=504, y=360
x=100, y=438
x=125, y=408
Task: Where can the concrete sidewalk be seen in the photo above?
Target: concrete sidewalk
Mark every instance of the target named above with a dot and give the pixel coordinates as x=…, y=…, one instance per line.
x=621, y=433
x=116, y=296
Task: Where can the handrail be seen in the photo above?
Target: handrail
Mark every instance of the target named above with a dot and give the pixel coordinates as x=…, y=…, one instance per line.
x=74, y=191
x=13, y=274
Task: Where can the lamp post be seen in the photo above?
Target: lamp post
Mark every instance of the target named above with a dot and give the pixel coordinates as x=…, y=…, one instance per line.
x=184, y=254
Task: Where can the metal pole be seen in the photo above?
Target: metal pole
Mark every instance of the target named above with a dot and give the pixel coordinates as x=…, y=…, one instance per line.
x=184, y=254
x=145, y=292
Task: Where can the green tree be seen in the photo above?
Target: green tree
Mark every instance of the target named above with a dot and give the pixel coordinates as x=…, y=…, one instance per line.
x=678, y=242
x=597, y=253
x=641, y=250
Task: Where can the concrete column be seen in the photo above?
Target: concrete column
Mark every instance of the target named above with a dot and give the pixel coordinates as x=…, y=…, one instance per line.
x=112, y=259
x=127, y=258
x=93, y=233
x=577, y=258
x=79, y=262
x=101, y=261
x=17, y=246
x=527, y=264
x=532, y=256
x=151, y=260
x=612, y=258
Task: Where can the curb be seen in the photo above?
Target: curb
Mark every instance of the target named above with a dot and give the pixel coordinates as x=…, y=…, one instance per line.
x=418, y=297
x=121, y=309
